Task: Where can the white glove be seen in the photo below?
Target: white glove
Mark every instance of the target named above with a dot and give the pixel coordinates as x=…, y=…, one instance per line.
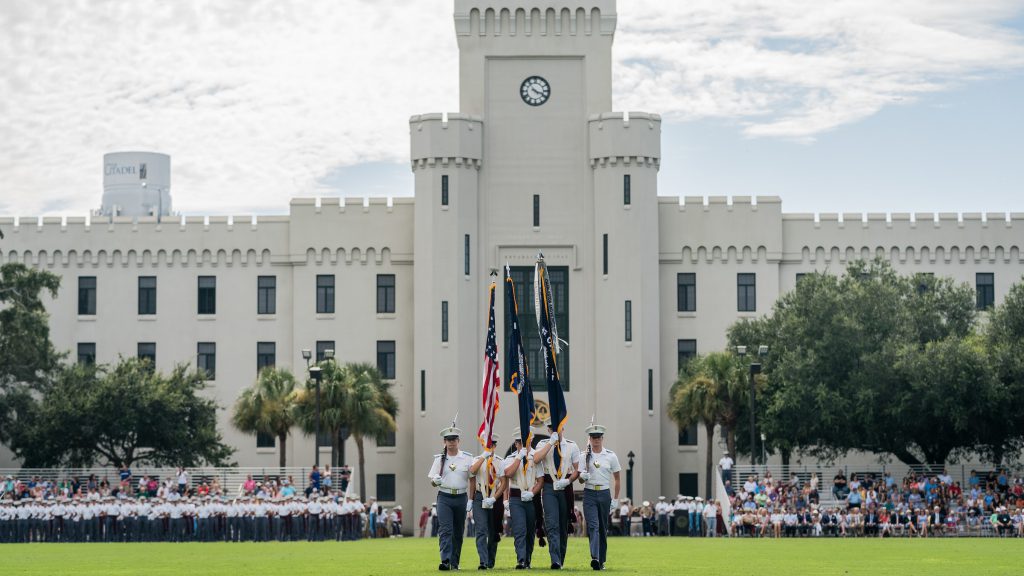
x=585, y=476
x=486, y=453
x=561, y=484
x=436, y=480
x=488, y=503
x=523, y=453
x=526, y=496
x=554, y=438
x=614, y=504
x=469, y=506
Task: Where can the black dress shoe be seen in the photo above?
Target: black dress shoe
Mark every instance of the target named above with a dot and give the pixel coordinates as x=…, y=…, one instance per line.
x=595, y=563
x=481, y=567
x=445, y=566
x=521, y=566
x=556, y=566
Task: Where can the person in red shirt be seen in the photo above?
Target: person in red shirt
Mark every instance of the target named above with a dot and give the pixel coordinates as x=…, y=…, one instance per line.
x=424, y=518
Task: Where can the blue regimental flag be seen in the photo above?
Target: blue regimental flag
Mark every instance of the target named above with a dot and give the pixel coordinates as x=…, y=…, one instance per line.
x=518, y=373
x=548, y=327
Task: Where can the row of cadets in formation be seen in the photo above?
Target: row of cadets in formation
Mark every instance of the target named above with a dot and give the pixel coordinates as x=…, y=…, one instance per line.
x=530, y=484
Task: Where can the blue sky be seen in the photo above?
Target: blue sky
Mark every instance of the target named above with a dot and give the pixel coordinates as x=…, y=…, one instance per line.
x=840, y=106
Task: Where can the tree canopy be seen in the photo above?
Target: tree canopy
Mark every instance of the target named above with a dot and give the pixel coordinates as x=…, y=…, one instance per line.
x=268, y=407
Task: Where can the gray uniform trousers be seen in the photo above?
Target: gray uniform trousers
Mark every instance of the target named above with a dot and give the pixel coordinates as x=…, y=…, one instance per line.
x=596, y=504
x=451, y=515
x=524, y=521
x=556, y=522
x=486, y=535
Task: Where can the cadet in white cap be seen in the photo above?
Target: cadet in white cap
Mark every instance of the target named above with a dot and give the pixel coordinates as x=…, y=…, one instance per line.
x=557, y=480
x=488, y=487
x=526, y=480
x=599, y=474
x=450, y=474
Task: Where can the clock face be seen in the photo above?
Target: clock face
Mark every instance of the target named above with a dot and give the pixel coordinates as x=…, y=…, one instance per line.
x=535, y=91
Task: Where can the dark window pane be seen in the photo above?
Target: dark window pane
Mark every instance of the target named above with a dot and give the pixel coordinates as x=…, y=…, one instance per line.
x=536, y=210
x=265, y=440
x=522, y=276
x=87, y=353
x=629, y=320
x=322, y=346
x=444, y=321
x=423, y=390
x=87, y=295
x=386, y=358
x=207, y=294
x=325, y=294
x=385, y=293
x=604, y=254
x=686, y=292
x=687, y=350
x=147, y=352
x=986, y=286
x=800, y=276
x=626, y=194
x=266, y=295
x=746, y=292
x=388, y=440
x=147, y=295
x=444, y=190
x=266, y=355
x=688, y=484
x=465, y=264
x=206, y=359
x=688, y=436
x=385, y=487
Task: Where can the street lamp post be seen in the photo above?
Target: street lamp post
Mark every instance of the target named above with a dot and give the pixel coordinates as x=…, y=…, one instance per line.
x=317, y=375
x=755, y=368
x=629, y=477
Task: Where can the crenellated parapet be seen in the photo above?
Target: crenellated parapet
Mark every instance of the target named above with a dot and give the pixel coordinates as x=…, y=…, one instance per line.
x=535, y=18
x=720, y=229
x=454, y=140
x=625, y=137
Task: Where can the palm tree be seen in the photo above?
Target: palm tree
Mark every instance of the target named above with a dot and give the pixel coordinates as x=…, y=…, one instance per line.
x=697, y=400
x=728, y=371
x=268, y=407
x=334, y=388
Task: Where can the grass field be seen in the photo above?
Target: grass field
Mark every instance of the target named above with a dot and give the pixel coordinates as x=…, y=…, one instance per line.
x=974, y=557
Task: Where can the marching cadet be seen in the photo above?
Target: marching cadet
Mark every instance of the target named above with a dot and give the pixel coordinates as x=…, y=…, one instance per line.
x=450, y=474
x=525, y=481
x=488, y=484
x=599, y=474
x=557, y=481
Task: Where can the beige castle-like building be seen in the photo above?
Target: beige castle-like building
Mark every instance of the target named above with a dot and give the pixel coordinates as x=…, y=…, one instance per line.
x=535, y=160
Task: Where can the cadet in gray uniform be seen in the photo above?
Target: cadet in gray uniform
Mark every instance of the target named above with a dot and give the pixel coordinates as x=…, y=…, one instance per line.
x=557, y=479
x=599, y=473
x=526, y=480
x=488, y=485
x=450, y=474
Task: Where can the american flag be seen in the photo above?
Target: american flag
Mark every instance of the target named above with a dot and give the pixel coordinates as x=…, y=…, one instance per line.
x=491, y=379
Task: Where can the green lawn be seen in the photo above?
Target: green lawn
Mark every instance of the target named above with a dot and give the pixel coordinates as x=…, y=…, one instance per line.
x=975, y=557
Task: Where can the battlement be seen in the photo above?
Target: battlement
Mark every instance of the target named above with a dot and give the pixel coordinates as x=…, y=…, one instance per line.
x=906, y=220
x=378, y=205
x=446, y=138
x=625, y=136
x=724, y=204
x=535, y=18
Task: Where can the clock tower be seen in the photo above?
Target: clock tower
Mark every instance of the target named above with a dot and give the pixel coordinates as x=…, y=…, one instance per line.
x=535, y=161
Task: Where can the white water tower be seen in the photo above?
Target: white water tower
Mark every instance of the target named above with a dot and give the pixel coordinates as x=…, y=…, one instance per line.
x=136, y=184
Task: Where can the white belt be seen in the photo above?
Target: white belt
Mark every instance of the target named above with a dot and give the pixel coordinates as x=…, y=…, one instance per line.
x=452, y=491
x=596, y=487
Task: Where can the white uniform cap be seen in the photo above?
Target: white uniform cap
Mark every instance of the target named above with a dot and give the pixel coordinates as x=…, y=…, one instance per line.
x=595, y=429
x=450, y=431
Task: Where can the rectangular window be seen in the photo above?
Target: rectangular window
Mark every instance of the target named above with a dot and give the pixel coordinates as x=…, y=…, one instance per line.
x=686, y=292
x=147, y=352
x=465, y=264
x=266, y=355
x=629, y=320
x=265, y=440
x=986, y=286
x=746, y=292
x=625, y=190
x=444, y=190
x=536, y=210
x=147, y=295
x=325, y=294
x=388, y=440
x=687, y=350
x=266, y=295
x=207, y=294
x=87, y=353
x=206, y=359
x=386, y=358
x=386, y=488
x=604, y=255
x=800, y=276
x=688, y=484
x=86, y=295
x=444, y=321
x=385, y=293
x=423, y=390
x=688, y=435
x=523, y=278
x=650, y=390
x=322, y=346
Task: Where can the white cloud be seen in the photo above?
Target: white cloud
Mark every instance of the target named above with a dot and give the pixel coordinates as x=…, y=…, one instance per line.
x=256, y=101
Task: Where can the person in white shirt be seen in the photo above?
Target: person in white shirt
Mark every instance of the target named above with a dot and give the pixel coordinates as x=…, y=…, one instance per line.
x=661, y=512
x=559, y=457
x=526, y=479
x=488, y=485
x=725, y=465
x=599, y=473
x=711, y=518
x=450, y=474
